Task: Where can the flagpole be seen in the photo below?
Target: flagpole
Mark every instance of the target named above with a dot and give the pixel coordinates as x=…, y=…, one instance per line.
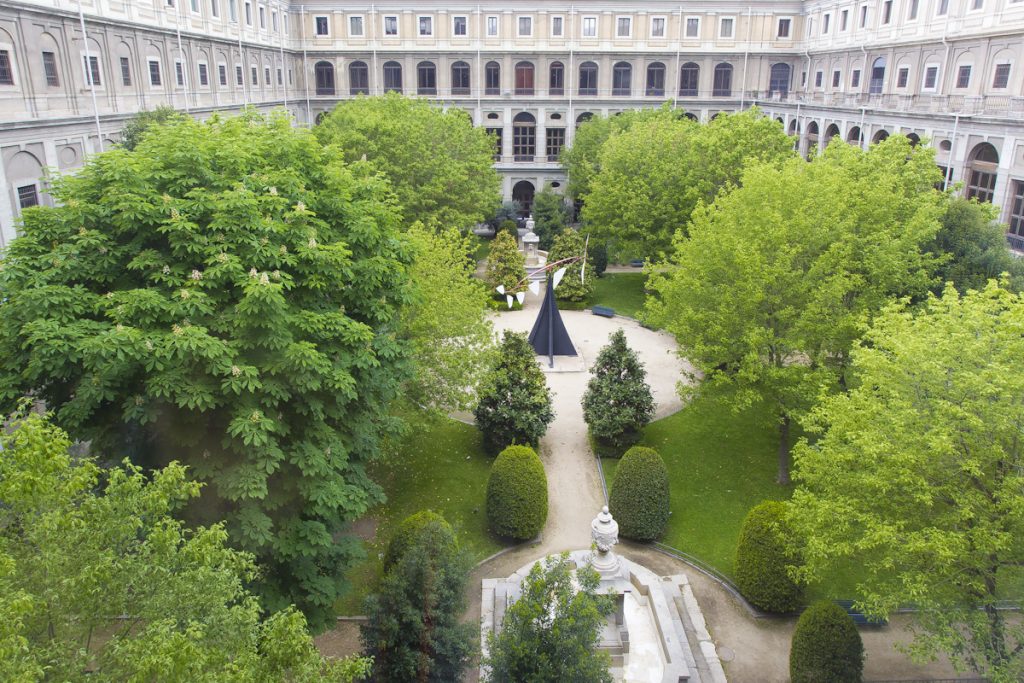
x=551, y=327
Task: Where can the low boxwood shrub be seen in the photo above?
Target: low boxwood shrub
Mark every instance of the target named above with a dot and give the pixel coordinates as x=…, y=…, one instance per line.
x=762, y=557
x=639, y=497
x=826, y=646
x=415, y=527
x=517, y=494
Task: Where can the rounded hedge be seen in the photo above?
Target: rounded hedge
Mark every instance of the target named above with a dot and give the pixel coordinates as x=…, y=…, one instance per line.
x=826, y=646
x=761, y=560
x=517, y=494
x=424, y=526
x=639, y=497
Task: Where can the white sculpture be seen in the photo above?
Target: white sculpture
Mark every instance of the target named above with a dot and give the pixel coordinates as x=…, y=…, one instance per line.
x=604, y=532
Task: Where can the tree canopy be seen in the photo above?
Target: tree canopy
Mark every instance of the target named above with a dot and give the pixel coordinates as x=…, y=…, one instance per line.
x=778, y=277
x=99, y=582
x=975, y=248
x=227, y=294
x=440, y=166
x=653, y=174
x=915, y=476
x=572, y=286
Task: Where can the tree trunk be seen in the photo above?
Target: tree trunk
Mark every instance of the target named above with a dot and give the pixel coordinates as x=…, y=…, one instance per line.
x=783, y=478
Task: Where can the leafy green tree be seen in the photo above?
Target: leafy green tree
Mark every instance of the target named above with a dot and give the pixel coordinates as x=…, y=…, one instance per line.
x=506, y=211
x=826, y=646
x=778, y=277
x=445, y=321
x=515, y=402
x=572, y=287
x=653, y=175
x=413, y=630
x=550, y=634
x=915, y=477
x=226, y=294
x=506, y=265
x=763, y=558
x=517, y=494
x=99, y=582
x=975, y=246
x=137, y=125
x=550, y=216
x=618, y=401
x=440, y=166
x=639, y=496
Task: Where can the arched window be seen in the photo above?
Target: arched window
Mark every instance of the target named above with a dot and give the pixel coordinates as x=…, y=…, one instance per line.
x=914, y=138
x=524, y=78
x=426, y=78
x=854, y=136
x=880, y=135
x=492, y=78
x=583, y=118
x=689, y=75
x=522, y=193
x=324, y=72
x=981, y=172
x=460, y=78
x=778, y=80
x=556, y=79
x=812, y=138
x=831, y=132
x=690, y=115
x=877, y=76
x=655, y=79
x=723, y=81
x=358, y=79
x=622, y=76
x=524, y=137
x=320, y=117
x=588, y=78
x=392, y=77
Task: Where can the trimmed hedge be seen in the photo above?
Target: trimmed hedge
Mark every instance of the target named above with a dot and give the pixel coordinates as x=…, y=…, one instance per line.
x=639, y=497
x=761, y=560
x=826, y=646
x=517, y=494
x=412, y=529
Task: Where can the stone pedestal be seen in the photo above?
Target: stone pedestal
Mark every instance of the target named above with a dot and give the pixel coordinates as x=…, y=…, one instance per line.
x=604, y=532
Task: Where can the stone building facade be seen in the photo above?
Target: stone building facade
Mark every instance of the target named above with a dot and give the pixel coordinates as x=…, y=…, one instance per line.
x=948, y=71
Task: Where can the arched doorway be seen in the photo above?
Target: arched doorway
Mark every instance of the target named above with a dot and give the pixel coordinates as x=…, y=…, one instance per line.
x=879, y=136
x=982, y=167
x=812, y=138
x=522, y=192
x=778, y=81
x=854, y=137
x=831, y=132
x=914, y=138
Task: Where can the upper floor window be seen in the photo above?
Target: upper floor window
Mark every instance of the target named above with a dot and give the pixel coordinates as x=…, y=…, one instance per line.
x=623, y=27
x=931, y=77
x=492, y=26
x=589, y=27
x=426, y=78
x=912, y=12
x=655, y=80
x=524, y=78
x=844, y=19
x=692, y=27
x=689, y=75
x=92, y=70
x=723, y=80
x=492, y=78
x=28, y=195
x=1001, y=78
x=622, y=76
x=887, y=11
x=818, y=75
x=222, y=74
x=179, y=73
x=358, y=78
x=273, y=20
x=863, y=16
x=826, y=24
x=50, y=69
x=855, y=78
x=233, y=10
x=154, y=72
x=556, y=79
x=725, y=28
x=324, y=74
x=391, y=25
x=263, y=17
x=877, y=76
x=588, y=78
x=963, y=76
x=215, y=8
x=426, y=26
x=460, y=26
x=902, y=77
x=248, y=13
x=557, y=26
x=942, y=8
x=126, y=71
x=525, y=26
x=392, y=77
x=784, y=27
x=657, y=27
x=836, y=78
x=204, y=75
x=355, y=26
x=460, y=78
x=322, y=26
x=977, y=4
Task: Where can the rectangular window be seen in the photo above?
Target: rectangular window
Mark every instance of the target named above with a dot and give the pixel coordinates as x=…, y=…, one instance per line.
x=844, y=19
x=322, y=26
x=194, y=4
x=803, y=79
x=273, y=20
x=1017, y=209
x=492, y=26
x=254, y=74
x=725, y=28
x=855, y=79
x=902, y=76
x=355, y=26
x=248, y=13
x=214, y=8
x=657, y=27
x=1001, y=79
x=233, y=10
x=239, y=78
x=391, y=26
x=826, y=23
x=126, y=72
x=266, y=75
x=912, y=13
x=784, y=27
x=817, y=79
x=557, y=26
x=426, y=26
x=28, y=196
x=460, y=26
x=836, y=75
x=50, y=69
x=280, y=76
x=623, y=27
x=963, y=76
x=263, y=17
x=863, y=16
x=977, y=4
x=692, y=27
x=524, y=142
x=931, y=75
x=555, y=143
x=496, y=132
x=526, y=26
x=92, y=70
x=943, y=8
x=589, y=27
x=222, y=74
x=887, y=11
x=204, y=76
x=154, y=73
x=179, y=73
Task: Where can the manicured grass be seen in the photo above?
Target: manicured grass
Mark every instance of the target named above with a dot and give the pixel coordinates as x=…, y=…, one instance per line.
x=623, y=292
x=439, y=466
x=720, y=465
x=483, y=248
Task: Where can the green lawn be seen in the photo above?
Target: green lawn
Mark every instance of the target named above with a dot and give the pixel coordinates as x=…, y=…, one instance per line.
x=438, y=467
x=483, y=248
x=623, y=292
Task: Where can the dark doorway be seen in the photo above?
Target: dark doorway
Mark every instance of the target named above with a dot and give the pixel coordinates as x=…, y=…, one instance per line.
x=522, y=192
